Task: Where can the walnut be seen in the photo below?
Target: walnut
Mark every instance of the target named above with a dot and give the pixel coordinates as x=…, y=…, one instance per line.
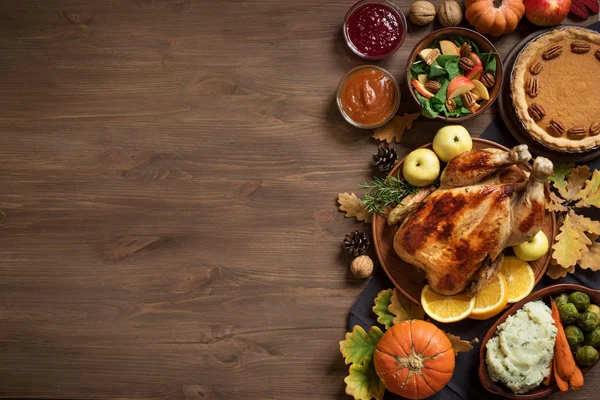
x=362, y=267
x=450, y=13
x=421, y=13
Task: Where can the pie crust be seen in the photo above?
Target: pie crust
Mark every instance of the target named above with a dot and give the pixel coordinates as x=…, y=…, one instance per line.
x=567, y=88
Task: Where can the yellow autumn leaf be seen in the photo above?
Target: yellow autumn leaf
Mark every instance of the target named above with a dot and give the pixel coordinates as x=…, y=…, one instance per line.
x=394, y=129
x=404, y=309
x=555, y=271
x=570, y=243
x=591, y=259
x=555, y=203
x=590, y=194
x=352, y=206
x=586, y=224
x=575, y=182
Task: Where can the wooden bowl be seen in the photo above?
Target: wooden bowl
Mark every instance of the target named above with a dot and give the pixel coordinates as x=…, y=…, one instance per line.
x=484, y=45
x=408, y=278
x=541, y=391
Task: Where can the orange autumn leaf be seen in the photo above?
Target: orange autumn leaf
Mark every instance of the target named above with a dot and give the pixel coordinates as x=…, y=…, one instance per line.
x=352, y=206
x=555, y=271
x=394, y=129
x=460, y=345
x=555, y=203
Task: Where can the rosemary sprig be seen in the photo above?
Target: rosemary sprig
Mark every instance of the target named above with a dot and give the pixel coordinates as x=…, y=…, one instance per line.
x=383, y=192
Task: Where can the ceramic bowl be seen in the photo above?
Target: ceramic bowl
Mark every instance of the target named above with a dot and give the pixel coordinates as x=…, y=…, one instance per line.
x=544, y=294
x=483, y=44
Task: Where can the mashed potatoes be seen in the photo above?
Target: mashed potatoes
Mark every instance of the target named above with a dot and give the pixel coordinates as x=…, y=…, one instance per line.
x=520, y=354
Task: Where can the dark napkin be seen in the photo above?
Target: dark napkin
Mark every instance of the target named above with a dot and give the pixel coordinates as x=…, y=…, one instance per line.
x=465, y=381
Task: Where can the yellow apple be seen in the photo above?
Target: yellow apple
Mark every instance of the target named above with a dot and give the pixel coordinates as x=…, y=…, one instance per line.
x=533, y=249
x=450, y=141
x=421, y=167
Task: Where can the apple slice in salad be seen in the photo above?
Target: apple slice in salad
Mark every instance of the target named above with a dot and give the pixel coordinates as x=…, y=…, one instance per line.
x=453, y=80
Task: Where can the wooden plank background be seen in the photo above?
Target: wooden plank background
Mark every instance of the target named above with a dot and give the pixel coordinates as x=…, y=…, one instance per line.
x=168, y=176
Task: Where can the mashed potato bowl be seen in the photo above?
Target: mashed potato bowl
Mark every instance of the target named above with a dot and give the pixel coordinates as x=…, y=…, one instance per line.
x=544, y=295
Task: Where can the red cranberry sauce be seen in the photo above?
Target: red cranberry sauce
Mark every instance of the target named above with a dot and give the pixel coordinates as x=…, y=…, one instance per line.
x=374, y=29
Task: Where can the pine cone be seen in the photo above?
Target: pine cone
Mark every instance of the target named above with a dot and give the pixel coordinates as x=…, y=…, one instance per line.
x=385, y=158
x=356, y=243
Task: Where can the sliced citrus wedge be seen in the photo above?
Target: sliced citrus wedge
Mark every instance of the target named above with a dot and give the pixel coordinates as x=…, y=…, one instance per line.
x=446, y=308
x=492, y=299
x=519, y=276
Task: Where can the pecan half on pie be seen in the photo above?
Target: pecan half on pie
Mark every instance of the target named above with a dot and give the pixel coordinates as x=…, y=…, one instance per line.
x=555, y=89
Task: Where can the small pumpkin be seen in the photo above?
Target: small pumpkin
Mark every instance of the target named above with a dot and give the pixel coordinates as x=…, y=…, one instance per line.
x=414, y=359
x=496, y=17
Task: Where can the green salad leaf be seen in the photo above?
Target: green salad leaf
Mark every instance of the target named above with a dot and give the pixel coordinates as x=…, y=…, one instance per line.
x=453, y=69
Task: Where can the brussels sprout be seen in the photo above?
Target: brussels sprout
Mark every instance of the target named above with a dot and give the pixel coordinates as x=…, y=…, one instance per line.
x=588, y=321
x=561, y=299
x=574, y=335
x=575, y=348
x=595, y=309
x=580, y=300
x=568, y=313
x=586, y=355
x=593, y=338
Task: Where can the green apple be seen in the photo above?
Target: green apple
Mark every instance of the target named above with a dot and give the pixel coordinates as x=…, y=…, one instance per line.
x=421, y=167
x=533, y=249
x=450, y=141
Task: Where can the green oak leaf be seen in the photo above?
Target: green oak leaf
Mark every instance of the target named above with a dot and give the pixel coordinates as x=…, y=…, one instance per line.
x=404, y=309
x=363, y=383
x=558, y=177
x=359, y=345
x=382, y=301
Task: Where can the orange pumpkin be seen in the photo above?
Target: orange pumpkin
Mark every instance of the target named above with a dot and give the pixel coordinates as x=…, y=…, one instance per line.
x=487, y=18
x=414, y=359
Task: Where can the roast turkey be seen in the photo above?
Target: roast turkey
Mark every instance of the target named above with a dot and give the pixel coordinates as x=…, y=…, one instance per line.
x=485, y=203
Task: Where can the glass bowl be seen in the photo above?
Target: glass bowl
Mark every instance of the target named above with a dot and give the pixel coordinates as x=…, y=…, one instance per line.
x=394, y=8
x=339, y=97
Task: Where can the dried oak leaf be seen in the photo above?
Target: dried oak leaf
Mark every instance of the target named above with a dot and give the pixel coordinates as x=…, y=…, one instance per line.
x=352, y=206
x=555, y=203
x=382, y=302
x=590, y=194
x=561, y=170
x=591, y=259
x=404, y=309
x=586, y=224
x=571, y=242
x=575, y=182
x=359, y=345
x=363, y=383
x=459, y=344
x=394, y=129
x=555, y=271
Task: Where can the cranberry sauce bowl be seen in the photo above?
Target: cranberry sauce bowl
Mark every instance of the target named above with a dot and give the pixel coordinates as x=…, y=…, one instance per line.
x=374, y=29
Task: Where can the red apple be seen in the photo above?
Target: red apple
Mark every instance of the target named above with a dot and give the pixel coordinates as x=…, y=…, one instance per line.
x=476, y=60
x=475, y=72
x=419, y=87
x=458, y=86
x=448, y=48
x=474, y=108
x=422, y=78
x=547, y=12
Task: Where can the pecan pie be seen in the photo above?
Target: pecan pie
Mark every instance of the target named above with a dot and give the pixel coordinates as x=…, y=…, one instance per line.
x=555, y=89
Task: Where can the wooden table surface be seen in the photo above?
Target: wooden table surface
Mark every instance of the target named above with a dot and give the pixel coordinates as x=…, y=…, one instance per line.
x=168, y=175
